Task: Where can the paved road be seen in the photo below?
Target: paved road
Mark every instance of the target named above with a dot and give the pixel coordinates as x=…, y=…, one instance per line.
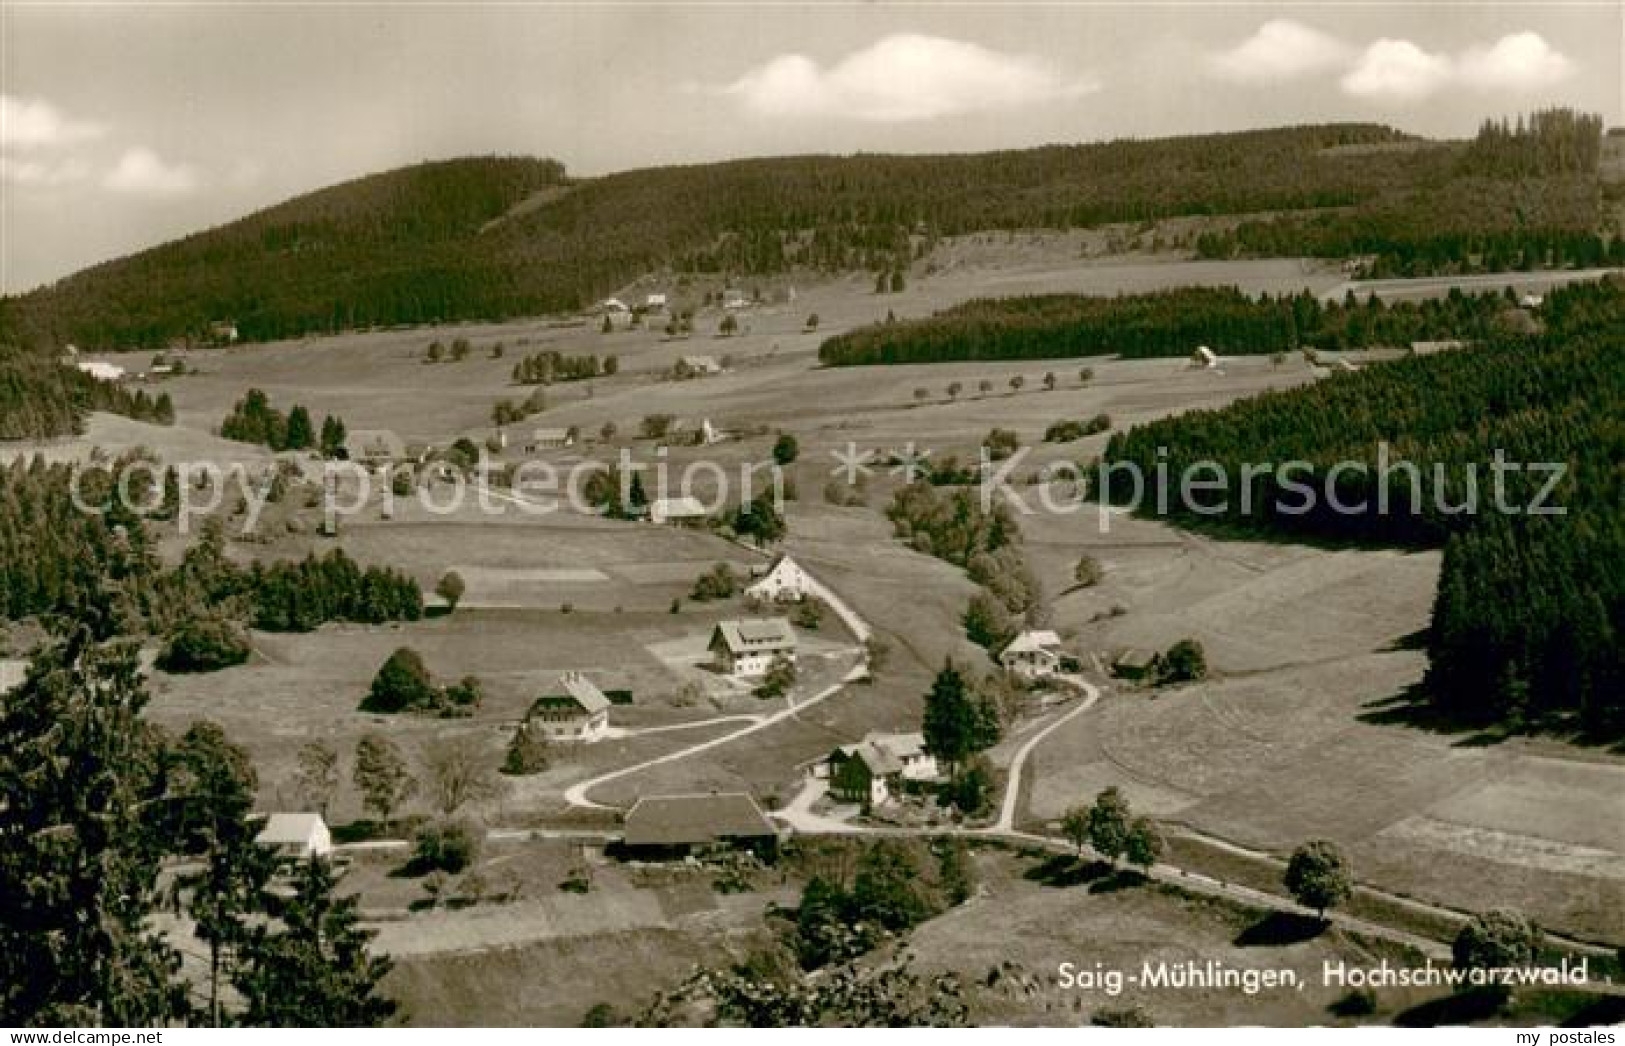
x=576, y=794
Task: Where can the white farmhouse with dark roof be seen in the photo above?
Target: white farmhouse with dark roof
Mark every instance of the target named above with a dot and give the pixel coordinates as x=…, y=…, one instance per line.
x=748, y=646
x=579, y=711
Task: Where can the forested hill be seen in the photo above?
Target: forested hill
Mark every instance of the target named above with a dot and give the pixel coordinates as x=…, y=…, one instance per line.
x=489, y=238
x=1529, y=619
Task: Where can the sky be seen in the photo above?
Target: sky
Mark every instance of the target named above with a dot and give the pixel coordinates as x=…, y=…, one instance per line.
x=126, y=124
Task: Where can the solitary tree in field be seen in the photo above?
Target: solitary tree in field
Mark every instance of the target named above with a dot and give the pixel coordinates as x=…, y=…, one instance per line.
x=1144, y=845
x=786, y=449
x=984, y=386
x=922, y=394
x=1017, y=382
x=1049, y=381
x=451, y=588
x=812, y=321
x=1500, y=939
x=1075, y=827
x=608, y=431
x=1318, y=876
x=729, y=326
x=381, y=776
x=1088, y=572
x=318, y=779
x=456, y=772
x=1086, y=375
x=1110, y=824
x=954, y=389
x=897, y=281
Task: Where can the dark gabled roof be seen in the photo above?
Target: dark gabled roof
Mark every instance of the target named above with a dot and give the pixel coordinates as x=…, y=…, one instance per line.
x=687, y=820
x=578, y=691
x=753, y=634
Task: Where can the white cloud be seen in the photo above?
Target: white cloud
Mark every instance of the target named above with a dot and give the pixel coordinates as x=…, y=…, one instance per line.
x=42, y=174
x=142, y=172
x=1516, y=62
x=33, y=123
x=903, y=77
x=1281, y=50
x=1397, y=71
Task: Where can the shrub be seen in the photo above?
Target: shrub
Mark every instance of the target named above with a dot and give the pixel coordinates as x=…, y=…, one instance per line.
x=446, y=846
x=204, y=645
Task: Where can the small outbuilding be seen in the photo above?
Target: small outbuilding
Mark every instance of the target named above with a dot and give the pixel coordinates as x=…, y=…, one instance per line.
x=296, y=836
x=685, y=509
x=784, y=581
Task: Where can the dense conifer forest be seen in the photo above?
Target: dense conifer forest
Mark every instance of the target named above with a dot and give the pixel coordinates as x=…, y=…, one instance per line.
x=1530, y=611
x=1162, y=323
x=490, y=238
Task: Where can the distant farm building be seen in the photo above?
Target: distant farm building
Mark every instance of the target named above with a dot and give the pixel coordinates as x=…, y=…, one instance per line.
x=698, y=366
x=223, y=332
x=374, y=447
x=655, y=302
x=579, y=711
x=1531, y=301
x=747, y=647
x=550, y=439
x=12, y=673
x=1428, y=348
x=783, y=582
x=684, y=509
x=733, y=298
x=102, y=371
x=1133, y=663
x=1033, y=654
x=683, y=825
x=1204, y=358
x=296, y=836
x=613, y=306
x=875, y=769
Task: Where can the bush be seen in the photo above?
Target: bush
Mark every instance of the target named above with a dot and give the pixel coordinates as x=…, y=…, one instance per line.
x=1184, y=662
x=204, y=645
x=402, y=684
x=719, y=582
x=446, y=846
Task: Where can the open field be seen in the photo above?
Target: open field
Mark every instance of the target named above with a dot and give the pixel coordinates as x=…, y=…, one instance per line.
x=1307, y=644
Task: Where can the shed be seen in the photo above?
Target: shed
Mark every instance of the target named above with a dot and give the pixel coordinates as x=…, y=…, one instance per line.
x=676, y=825
x=296, y=835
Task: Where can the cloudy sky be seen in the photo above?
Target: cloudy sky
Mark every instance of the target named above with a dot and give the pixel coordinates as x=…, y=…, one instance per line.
x=122, y=125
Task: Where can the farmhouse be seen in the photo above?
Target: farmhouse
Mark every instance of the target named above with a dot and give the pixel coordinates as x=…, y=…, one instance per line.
x=1133, y=663
x=296, y=836
x=655, y=302
x=613, y=306
x=698, y=366
x=733, y=298
x=784, y=581
x=1204, y=358
x=875, y=769
x=549, y=439
x=1033, y=654
x=579, y=712
x=748, y=646
x=679, y=825
x=676, y=510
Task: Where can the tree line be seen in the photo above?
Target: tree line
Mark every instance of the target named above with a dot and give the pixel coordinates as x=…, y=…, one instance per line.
x=254, y=420
x=1162, y=324
x=450, y=241
x=94, y=799
x=545, y=368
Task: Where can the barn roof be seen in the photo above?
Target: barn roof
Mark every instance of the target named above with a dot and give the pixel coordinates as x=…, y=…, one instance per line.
x=578, y=690
x=287, y=829
x=679, y=820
